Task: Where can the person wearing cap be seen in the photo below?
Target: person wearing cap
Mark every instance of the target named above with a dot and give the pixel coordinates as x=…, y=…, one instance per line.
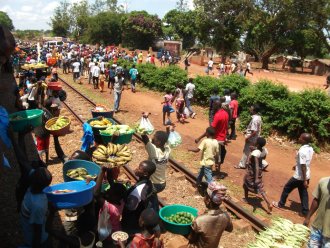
x=208, y=227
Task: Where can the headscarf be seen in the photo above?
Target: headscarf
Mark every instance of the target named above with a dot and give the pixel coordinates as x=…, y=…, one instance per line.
x=216, y=192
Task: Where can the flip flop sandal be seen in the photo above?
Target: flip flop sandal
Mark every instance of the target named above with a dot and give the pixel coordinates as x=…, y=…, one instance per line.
x=237, y=167
x=275, y=205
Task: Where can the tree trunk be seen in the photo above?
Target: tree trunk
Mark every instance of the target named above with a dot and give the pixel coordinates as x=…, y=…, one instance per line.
x=265, y=57
x=265, y=61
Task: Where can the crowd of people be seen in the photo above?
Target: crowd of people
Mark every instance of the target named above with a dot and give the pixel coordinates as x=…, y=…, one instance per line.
x=135, y=209
x=227, y=68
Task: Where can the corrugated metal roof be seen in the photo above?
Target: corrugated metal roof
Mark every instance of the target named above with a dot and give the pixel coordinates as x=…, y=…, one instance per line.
x=324, y=61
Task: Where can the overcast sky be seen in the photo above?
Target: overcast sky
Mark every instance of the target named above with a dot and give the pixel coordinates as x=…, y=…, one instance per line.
x=35, y=14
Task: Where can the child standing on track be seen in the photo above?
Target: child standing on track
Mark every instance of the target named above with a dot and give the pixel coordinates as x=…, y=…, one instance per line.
x=210, y=156
x=253, y=178
x=159, y=152
x=167, y=107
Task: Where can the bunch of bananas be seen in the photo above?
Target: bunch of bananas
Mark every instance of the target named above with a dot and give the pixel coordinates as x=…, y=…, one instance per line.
x=100, y=123
x=60, y=123
x=79, y=174
x=114, y=155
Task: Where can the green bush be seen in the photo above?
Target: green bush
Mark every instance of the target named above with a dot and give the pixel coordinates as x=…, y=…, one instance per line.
x=309, y=111
x=161, y=78
x=288, y=113
x=206, y=84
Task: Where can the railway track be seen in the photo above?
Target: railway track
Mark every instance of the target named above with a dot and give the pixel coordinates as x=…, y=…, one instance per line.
x=232, y=206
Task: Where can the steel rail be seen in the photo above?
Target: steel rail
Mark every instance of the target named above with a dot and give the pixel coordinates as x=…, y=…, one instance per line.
x=240, y=212
x=128, y=171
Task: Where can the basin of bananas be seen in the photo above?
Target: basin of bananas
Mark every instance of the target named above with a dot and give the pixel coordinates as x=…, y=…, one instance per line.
x=112, y=155
x=100, y=123
x=79, y=174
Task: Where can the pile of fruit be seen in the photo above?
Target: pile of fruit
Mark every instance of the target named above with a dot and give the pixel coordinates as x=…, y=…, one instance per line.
x=282, y=233
x=79, y=174
x=102, y=122
x=113, y=155
x=121, y=129
x=181, y=218
x=100, y=108
x=59, y=124
x=34, y=66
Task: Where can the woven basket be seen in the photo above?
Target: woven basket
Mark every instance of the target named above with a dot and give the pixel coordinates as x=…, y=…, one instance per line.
x=60, y=132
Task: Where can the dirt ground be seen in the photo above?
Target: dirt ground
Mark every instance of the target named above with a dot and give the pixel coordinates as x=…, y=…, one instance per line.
x=295, y=81
x=281, y=153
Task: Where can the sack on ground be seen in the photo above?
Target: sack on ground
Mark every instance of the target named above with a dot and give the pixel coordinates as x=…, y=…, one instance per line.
x=146, y=125
x=174, y=139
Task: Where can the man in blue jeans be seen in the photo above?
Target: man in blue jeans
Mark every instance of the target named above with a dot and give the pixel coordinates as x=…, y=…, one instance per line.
x=133, y=72
x=320, y=230
x=117, y=88
x=301, y=176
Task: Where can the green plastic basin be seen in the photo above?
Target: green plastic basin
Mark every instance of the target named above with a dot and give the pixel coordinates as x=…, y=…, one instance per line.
x=122, y=139
x=23, y=119
x=167, y=211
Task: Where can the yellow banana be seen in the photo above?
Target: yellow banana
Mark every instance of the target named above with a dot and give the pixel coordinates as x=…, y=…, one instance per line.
x=114, y=152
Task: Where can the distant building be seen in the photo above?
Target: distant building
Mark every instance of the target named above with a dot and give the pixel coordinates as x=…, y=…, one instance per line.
x=320, y=66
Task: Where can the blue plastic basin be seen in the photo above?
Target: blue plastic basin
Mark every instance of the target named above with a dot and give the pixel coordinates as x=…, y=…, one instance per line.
x=82, y=196
x=92, y=168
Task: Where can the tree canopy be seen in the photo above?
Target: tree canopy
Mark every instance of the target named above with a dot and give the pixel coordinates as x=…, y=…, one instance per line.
x=140, y=29
x=109, y=32
x=6, y=21
x=258, y=27
x=179, y=24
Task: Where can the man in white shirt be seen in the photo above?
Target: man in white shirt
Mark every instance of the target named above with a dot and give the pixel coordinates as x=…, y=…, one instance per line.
x=248, y=69
x=117, y=87
x=96, y=73
x=301, y=175
x=210, y=66
x=76, y=70
x=90, y=66
x=190, y=87
x=102, y=66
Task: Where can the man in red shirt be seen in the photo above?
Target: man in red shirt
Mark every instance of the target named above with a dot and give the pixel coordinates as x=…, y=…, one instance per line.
x=220, y=124
x=233, y=105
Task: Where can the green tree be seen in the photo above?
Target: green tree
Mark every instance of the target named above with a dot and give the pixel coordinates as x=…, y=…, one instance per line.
x=109, y=32
x=79, y=13
x=181, y=24
x=277, y=26
x=140, y=29
x=105, y=5
x=6, y=21
x=182, y=5
x=61, y=20
x=220, y=23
